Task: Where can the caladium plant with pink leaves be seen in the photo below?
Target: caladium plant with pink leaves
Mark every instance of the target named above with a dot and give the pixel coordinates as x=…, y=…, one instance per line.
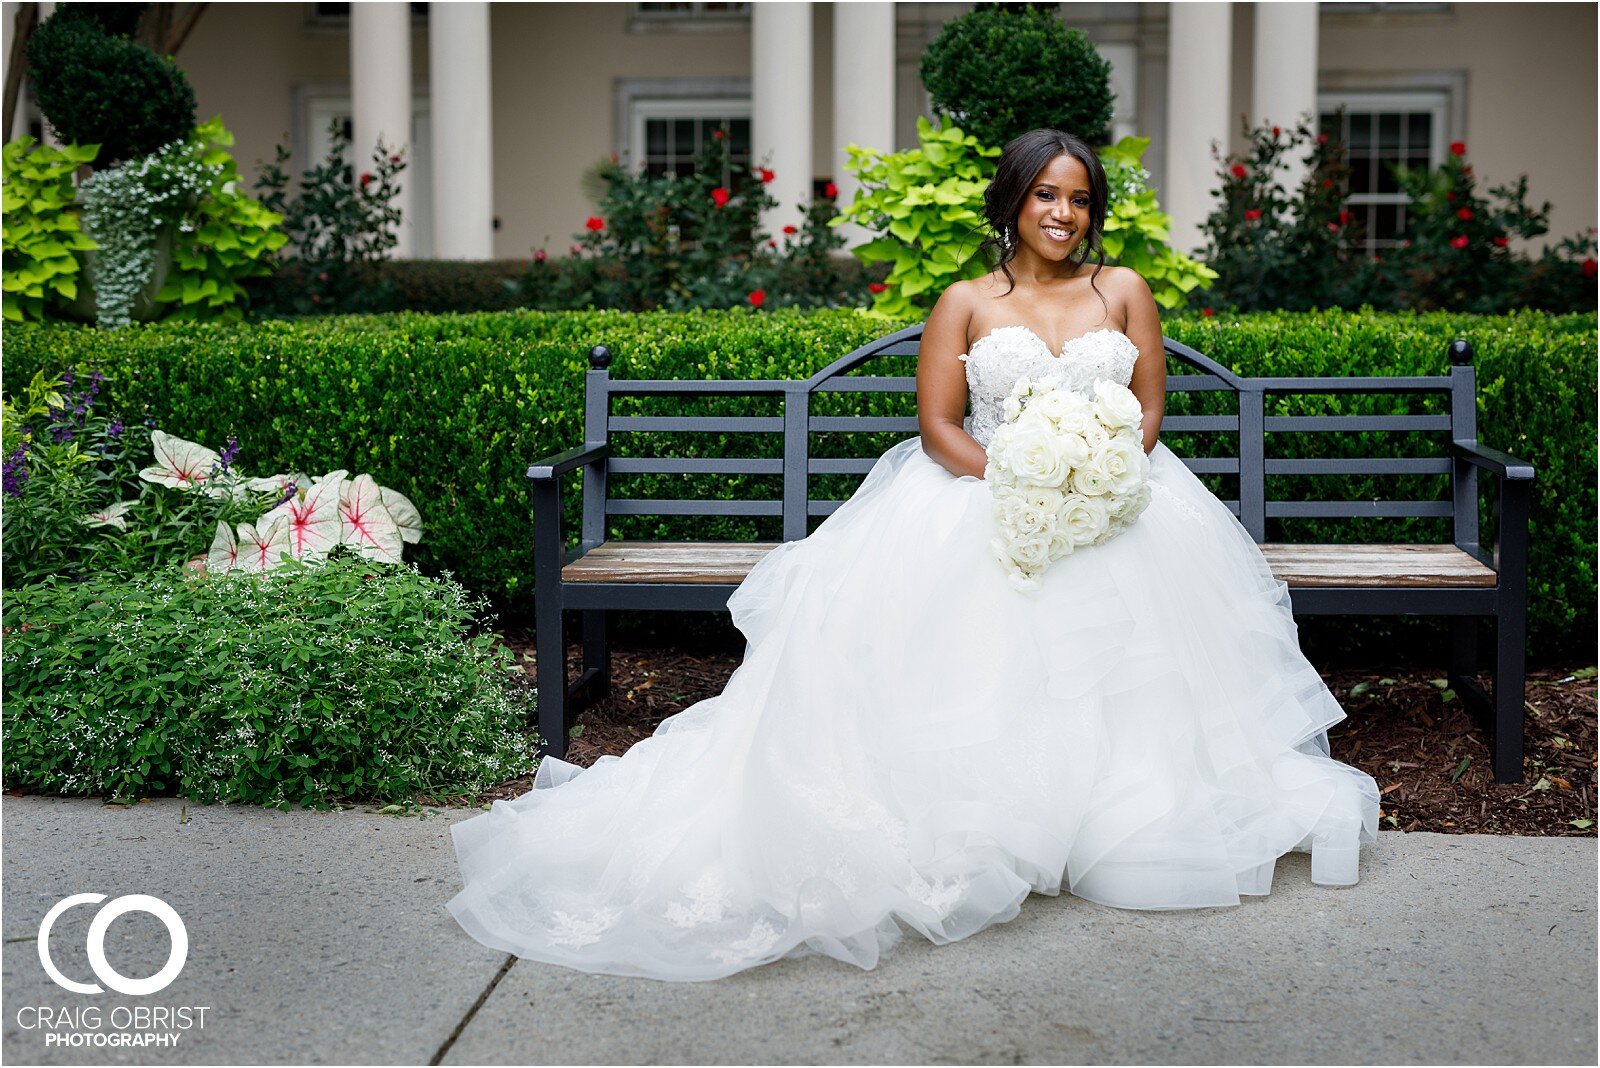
x=310, y=518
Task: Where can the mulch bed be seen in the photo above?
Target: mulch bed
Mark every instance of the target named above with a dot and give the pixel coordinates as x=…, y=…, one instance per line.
x=1431, y=761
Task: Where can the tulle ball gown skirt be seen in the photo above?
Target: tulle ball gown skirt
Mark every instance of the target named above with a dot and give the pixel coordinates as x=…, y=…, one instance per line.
x=909, y=742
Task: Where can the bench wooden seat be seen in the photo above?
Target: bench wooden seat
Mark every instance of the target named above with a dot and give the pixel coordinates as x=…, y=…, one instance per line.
x=1462, y=578
x=1301, y=566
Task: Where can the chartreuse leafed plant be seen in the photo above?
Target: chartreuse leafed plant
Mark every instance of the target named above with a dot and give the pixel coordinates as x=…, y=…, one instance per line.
x=344, y=681
x=42, y=232
x=927, y=204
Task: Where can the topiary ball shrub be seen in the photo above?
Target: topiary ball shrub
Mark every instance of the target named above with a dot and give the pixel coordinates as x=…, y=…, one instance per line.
x=309, y=685
x=1004, y=69
x=95, y=89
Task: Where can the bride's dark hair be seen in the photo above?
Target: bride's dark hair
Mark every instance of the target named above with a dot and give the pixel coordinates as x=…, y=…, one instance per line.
x=1022, y=159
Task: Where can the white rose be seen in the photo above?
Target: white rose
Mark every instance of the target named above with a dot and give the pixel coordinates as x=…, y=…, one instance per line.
x=1091, y=478
x=1031, y=551
x=1075, y=420
x=1035, y=454
x=1125, y=463
x=1012, y=407
x=1083, y=518
x=1022, y=386
x=1115, y=404
x=1095, y=434
x=1021, y=516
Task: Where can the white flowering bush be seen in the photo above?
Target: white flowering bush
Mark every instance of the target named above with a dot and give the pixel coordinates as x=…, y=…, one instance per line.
x=312, y=686
x=1066, y=472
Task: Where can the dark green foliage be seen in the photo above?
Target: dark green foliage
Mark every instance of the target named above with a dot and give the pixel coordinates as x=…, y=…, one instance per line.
x=400, y=285
x=308, y=686
x=450, y=410
x=1305, y=251
x=693, y=241
x=97, y=89
x=116, y=20
x=341, y=226
x=1004, y=69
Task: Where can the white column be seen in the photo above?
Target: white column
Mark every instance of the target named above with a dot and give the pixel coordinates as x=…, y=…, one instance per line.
x=463, y=172
x=1198, y=65
x=380, y=95
x=1284, y=83
x=863, y=91
x=780, y=104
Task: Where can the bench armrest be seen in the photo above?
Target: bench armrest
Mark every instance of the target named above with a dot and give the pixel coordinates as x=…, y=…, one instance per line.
x=552, y=467
x=1501, y=463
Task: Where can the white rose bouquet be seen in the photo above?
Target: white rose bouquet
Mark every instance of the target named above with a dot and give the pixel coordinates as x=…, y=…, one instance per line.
x=1066, y=472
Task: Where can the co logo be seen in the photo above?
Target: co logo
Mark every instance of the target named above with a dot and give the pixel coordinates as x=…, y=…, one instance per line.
x=97, y=944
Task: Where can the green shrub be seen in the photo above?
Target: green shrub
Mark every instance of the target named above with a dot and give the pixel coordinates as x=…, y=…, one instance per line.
x=1004, y=69
x=96, y=89
x=351, y=681
x=450, y=410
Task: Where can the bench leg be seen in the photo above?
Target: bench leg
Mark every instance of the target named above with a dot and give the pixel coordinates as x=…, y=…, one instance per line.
x=1510, y=693
x=550, y=648
x=597, y=652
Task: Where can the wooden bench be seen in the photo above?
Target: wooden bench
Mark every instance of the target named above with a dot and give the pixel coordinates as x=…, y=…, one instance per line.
x=1459, y=579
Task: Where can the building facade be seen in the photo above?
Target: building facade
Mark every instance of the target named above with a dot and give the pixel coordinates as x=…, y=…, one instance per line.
x=503, y=107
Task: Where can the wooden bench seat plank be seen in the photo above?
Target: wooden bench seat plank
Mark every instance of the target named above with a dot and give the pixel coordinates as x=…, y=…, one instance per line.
x=1377, y=566
x=1360, y=566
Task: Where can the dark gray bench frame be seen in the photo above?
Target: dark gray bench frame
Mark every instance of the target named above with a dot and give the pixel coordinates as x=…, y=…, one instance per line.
x=1500, y=711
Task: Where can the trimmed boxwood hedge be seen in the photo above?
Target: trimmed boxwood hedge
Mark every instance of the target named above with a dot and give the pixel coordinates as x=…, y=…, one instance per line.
x=450, y=410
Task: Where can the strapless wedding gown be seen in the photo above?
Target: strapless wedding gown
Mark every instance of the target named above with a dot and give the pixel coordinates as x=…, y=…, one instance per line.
x=910, y=741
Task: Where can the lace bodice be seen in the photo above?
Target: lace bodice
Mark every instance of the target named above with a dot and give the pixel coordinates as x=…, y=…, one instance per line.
x=1006, y=353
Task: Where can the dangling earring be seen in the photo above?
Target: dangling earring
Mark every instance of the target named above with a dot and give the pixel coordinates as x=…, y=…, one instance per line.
x=1005, y=241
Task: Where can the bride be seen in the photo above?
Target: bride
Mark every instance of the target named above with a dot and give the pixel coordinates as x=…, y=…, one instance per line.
x=911, y=741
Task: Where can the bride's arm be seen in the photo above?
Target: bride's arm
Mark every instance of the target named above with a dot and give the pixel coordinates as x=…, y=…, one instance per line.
x=1149, y=381
x=942, y=386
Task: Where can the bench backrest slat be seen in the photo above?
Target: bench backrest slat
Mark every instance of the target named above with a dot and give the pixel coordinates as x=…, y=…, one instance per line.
x=812, y=439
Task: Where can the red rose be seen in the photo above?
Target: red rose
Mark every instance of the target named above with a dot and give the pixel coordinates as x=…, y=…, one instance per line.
x=720, y=196
x=830, y=190
x=1334, y=227
x=1207, y=312
x=718, y=134
x=766, y=175
x=876, y=287
x=366, y=176
x=1322, y=139
x=539, y=255
x=1252, y=214
x=1327, y=183
x=1500, y=240
x=1239, y=171
x=1459, y=241
x=322, y=276
x=1458, y=148
x=772, y=244
x=1466, y=170
x=757, y=297
x=594, y=224
x=1275, y=131
x=1344, y=218
x=1464, y=214
x=1449, y=196
x=791, y=229
x=1588, y=267
x=394, y=158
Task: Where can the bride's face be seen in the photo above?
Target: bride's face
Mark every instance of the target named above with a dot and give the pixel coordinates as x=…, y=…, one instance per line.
x=1055, y=211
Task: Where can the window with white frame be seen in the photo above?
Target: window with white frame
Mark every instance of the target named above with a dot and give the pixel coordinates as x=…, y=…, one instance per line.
x=667, y=135
x=1380, y=130
x=323, y=108
x=688, y=16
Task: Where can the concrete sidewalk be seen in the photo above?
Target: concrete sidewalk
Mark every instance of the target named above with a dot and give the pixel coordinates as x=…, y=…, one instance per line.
x=322, y=937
